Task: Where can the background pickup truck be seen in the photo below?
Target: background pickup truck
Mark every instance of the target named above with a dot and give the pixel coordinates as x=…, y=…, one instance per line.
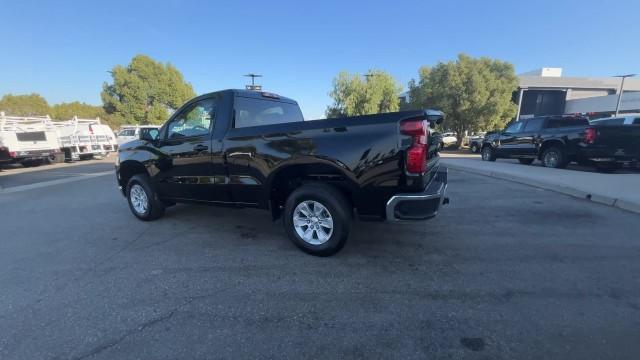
x=251, y=149
x=558, y=140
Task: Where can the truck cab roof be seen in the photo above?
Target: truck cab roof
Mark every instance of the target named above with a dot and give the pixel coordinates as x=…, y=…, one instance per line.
x=265, y=95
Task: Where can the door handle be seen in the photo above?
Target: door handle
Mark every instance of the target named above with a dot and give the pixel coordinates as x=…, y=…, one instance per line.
x=200, y=148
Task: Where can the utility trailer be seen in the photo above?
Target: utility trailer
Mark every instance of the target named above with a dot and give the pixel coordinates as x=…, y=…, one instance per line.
x=29, y=141
x=82, y=139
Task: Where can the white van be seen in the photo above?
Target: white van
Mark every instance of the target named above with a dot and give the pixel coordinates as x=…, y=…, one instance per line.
x=132, y=132
x=29, y=141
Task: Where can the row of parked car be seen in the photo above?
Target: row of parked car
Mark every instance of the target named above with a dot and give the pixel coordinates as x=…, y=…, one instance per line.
x=556, y=141
x=35, y=140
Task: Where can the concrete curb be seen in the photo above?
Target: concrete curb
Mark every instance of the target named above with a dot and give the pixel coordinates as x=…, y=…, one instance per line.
x=580, y=194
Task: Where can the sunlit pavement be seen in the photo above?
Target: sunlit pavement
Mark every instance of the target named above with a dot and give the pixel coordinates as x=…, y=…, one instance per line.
x=505, y=271
x=619, y=189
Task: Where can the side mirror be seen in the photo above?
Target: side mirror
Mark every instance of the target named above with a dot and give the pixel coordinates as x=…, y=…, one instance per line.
x=434, y=116
x=149, y=134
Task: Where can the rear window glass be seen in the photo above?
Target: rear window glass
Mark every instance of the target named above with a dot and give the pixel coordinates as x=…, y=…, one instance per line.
x=566, y=122
x=257, y=112
x=616, y=121
x=32, y=136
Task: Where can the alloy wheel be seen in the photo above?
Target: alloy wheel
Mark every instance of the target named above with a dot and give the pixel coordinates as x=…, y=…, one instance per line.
x=551, y=159
x=139, y=199
x=313, y=222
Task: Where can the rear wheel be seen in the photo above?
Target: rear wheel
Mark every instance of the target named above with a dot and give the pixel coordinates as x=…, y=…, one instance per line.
x=554, y=157
x=488, y=154
x=143, y=200
x=317, y=219
x=526, y=161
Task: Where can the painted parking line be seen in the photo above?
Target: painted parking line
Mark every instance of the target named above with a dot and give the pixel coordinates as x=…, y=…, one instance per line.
x=43, y=184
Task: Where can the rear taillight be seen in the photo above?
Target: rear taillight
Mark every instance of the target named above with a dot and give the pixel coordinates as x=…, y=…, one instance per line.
x=13, y=154
x=589, y=136
x=417, y=153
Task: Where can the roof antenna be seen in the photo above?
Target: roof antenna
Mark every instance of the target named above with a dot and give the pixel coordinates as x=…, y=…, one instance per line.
x=253, y=85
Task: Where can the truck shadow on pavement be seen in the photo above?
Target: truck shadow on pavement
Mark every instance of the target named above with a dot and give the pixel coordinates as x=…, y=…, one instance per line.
x=251, y=227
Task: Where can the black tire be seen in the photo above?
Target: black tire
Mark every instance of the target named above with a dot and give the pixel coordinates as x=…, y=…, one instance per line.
x=488, y=154
x=526, y=161
x=154, y=208
x=607, y=167
x=338, y=209
x=554, y=157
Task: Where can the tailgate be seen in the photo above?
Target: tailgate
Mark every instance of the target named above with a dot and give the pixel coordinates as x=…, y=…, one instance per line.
x=620, y=140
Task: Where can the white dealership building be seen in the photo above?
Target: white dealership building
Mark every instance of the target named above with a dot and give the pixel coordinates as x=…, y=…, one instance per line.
x=547, y=92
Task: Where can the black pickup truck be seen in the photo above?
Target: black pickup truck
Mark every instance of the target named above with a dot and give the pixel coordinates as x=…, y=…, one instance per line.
x=253, y=149
x=559, y=140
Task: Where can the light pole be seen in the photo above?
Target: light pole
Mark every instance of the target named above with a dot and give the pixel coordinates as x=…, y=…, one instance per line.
x=370, y=75
x=622, y=90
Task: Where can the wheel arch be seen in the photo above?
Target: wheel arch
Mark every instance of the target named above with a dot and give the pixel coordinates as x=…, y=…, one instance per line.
x=550, y=143
x=289, y=177
x=128, y=169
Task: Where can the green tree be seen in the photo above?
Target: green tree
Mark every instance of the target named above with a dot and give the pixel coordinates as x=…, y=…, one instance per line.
x=145, y=91
x=474, y=93
x=66, y=111
x=24, y=105
x=353, y=96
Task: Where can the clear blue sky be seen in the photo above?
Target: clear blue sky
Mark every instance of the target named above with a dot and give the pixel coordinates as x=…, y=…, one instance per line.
x=63, y=49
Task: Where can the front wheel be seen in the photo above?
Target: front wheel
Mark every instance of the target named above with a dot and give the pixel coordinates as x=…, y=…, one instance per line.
x=488, y=154
x=143, y=200
x=317, y=219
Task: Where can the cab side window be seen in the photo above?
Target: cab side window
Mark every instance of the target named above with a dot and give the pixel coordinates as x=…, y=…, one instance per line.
x=534, y=125
x=196, y=120
x=514, y=128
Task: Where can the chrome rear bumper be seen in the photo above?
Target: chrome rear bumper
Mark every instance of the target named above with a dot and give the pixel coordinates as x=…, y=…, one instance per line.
x=420, y=206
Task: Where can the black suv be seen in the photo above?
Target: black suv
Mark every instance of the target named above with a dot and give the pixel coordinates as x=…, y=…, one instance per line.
x=559, y=140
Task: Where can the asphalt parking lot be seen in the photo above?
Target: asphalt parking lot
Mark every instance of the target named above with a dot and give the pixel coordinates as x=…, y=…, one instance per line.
x=505, y=271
